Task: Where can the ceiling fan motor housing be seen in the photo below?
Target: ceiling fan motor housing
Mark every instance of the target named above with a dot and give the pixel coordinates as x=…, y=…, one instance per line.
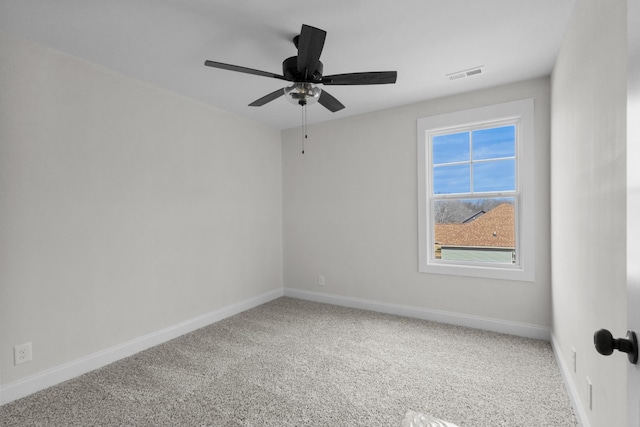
x=290, y=71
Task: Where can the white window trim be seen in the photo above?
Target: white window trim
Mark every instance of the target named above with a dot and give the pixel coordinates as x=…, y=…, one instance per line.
x=523, y=111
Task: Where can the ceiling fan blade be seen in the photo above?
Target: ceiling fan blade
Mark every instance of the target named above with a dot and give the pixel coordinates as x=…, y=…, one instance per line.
x=310, y=46
x=242, y=69
x=329, y=102
x=367, y=78
x=267, y=98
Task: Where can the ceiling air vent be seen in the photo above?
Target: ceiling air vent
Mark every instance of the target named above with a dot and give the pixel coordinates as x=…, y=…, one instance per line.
x=465, y=73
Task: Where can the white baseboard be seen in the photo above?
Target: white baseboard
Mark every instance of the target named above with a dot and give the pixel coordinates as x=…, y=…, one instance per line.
x=484, y=323
x=67, y=371
x=572, y=391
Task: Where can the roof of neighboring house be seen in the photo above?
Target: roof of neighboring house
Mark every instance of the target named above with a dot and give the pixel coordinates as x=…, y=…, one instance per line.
x=495, y=228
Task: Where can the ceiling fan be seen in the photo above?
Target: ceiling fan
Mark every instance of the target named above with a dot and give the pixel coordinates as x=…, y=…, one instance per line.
x=305, y=71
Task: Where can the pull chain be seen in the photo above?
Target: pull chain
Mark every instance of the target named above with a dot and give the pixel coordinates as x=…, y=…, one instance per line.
x=304, y=125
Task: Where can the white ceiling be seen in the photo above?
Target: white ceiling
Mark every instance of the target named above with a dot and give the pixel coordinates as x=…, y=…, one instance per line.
x=165, y=43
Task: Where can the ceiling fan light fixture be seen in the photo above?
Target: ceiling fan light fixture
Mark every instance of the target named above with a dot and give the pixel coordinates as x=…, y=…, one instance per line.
x=302, y=93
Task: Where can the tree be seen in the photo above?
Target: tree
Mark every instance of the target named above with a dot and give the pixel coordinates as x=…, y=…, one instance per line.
x=459, y=210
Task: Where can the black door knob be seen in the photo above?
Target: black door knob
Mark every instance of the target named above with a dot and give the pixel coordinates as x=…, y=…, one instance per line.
x=605, y=344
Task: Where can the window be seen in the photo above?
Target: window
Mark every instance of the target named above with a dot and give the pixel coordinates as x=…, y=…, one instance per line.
x=475, y=181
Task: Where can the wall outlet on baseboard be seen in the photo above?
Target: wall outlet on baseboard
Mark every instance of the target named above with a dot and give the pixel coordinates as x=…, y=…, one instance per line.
x=320, y=280
x=22, y=354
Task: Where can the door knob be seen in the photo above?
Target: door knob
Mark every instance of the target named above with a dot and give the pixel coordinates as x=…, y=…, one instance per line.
x=605, y=344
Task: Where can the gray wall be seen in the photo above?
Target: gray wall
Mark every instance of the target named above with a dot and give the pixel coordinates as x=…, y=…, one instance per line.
x=589, y=202
x=350, y=209
x=124, y=209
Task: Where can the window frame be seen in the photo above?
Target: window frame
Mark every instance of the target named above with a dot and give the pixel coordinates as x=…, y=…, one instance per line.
x=520, y=112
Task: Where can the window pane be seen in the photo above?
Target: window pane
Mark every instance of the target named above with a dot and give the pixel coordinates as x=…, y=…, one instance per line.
x=451, y=148
x=494, y=143
x=499, y=175
x=452, y=179
x=476, y=230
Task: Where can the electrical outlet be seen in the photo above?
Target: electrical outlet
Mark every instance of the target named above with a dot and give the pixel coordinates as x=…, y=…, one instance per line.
x=590, y=394
x=320, y=280
x=22, y=353
x=574, y=359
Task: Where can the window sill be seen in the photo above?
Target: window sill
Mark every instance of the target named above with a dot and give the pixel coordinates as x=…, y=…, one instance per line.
x=515, y=273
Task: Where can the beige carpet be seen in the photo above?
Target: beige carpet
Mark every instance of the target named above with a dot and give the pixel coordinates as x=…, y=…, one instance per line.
x=298, y=363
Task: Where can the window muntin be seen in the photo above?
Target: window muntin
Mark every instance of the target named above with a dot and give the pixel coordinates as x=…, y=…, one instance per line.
x=471, y=159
